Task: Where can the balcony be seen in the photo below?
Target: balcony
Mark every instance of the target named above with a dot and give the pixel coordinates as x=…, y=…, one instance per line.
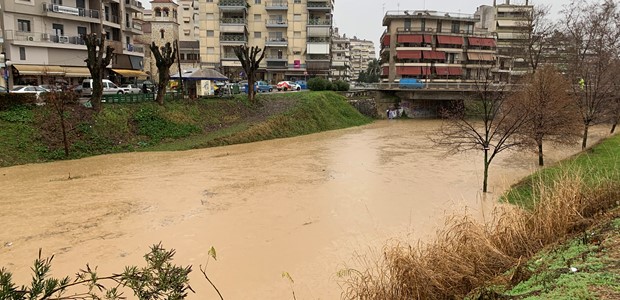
x=319, y=22
x=71, y=13
x=276, y=57
x=43, y=39
x=276, y=23
x=233, y=39
x=276, y=65
x=233, y=5
x=276, y=42
x=133, y=5
x=112, y=20
x=133, y=27
x=229, y=56
x=276, y=5
x=318, y=62
x=325, y=5
x=233, y=25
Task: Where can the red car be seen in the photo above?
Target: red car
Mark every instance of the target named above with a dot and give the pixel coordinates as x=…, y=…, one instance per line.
x=288, y=86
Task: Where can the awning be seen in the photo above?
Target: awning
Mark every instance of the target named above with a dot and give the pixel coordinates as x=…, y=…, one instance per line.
x=511, y=23
x=445, y=71
x=409, y=70
x=386, y=71
x=410, y=38
x=40, y=70
x=480, y=56
x=485, y=42
x=386, y=40
x=130, y=73
x=77, y=72
x=449, y=40
x=433, y=55
x=409, y=54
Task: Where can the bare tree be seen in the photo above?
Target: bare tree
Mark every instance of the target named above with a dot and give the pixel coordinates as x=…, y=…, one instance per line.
x=250, y=61
x=483, y=122
x=164, y=59
x=552, y=114
x=537, y=37
x=99, y=57
x=592, y=32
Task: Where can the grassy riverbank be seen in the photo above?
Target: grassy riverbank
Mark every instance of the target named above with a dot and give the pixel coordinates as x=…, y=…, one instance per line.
x=563, y=242
x=32, y=134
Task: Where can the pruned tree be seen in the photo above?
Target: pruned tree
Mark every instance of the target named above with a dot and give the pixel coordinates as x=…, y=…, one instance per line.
x=98, y=58
x=483, y=121
x=614, y=105
x=164, y=58
x=538, y=36
x=250, y=58
x=592, y=38
x=552, y=114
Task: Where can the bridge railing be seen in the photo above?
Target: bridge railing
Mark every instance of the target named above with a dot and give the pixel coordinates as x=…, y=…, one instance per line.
x=438, y=86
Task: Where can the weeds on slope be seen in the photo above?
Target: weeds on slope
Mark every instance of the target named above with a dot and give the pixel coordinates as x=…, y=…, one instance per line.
x=468, y=254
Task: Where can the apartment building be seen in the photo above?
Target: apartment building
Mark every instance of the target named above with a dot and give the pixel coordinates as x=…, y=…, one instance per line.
x=296, y=34
x=510, y=24
x=362, y=52
x=43, y=40
x=434, y=47
x=189, y=20
x=341, y=57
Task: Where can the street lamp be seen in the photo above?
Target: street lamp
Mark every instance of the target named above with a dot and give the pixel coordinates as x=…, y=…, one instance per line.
x=7, y=74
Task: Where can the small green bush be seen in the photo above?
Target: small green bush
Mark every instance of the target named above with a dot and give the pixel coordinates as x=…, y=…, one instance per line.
x=9, y=100
x=340, y=85
x=318, y=84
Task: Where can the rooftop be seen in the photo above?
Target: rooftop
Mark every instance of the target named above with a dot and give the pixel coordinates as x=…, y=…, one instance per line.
x=427, y=14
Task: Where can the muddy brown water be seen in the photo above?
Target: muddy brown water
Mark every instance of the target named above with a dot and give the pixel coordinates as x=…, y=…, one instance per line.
x=306, y=205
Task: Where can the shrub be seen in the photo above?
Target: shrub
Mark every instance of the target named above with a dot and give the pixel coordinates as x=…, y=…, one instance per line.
x=340, y=85
x=9, y=100
x=151, y=122
x=318, y=84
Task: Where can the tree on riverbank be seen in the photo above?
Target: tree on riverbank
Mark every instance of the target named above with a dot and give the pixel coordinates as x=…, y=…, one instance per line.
x=250, y=61
x=99, y=57
x=164, y=58
x=592, y=37
x=483, y=122
x=552, y=114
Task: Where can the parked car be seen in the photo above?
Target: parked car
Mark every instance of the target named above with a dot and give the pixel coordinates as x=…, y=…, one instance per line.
x=303, y=84
x=262, y=87
x=410, y=83
x=131, y=88
x=50, y=88
x=28, y=89
x=288, y=86
x=150, y=86
x=108, y=87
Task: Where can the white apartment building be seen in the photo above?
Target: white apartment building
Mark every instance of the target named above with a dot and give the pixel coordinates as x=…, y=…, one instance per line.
x=341, y=57
x=43, y=40
x=296, y=34
x=362, y=52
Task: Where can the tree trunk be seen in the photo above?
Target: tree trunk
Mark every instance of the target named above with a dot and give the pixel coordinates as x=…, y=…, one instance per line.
x=63, y=127
x=486, y=170
x=541, y=161
x=585, y=136
x=161, y=87
x=613, y=127
x=251, y=87
x=97, y=94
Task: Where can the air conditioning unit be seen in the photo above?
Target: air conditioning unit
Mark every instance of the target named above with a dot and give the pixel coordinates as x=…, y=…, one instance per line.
x=30, y=38
x=430, y=29
x=63, y=39
x=45, y=36
x=55, y=7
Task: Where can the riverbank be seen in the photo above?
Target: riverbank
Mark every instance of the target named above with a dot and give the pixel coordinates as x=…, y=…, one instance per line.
x=32, y=134
x=561, y=240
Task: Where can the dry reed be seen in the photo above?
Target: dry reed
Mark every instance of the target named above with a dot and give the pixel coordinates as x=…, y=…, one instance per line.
x=467, y=254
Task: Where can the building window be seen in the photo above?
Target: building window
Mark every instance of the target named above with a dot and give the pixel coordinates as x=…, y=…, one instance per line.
x=257, y=17
x=22, y=53
x=210, y=33
x=157, y=12
x=456, y=27
x=23, y=25
x=257, y=35
x=256, y=1
x=210, y=16
x=210, y=50
x=58, y=2
x=162, y=33
x=182, y=56
x=297, y=1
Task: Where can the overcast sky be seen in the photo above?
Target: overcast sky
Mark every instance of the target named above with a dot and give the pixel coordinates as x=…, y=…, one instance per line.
x=363, y=18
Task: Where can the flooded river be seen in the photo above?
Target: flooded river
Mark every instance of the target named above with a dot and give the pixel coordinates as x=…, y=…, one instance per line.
x=303, y=205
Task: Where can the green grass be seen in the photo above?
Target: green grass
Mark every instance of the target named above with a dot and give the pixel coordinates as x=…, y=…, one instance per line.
x=30, y=135
x=597, y=165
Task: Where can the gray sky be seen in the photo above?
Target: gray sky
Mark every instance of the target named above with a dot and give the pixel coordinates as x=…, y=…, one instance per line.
x=363, y=18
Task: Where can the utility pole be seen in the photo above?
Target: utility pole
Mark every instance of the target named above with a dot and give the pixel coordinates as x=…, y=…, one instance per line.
x=176, y=45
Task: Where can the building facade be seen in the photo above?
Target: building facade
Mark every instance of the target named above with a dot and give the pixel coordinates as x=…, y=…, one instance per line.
x=362, y=52
x=43, y=40
x=295, y=33
x=510, y=23
x=341, y=57
x=161, y=27
x=435, y=47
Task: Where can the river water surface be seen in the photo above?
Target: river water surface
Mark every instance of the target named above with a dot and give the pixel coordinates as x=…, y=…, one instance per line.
x=304, y=205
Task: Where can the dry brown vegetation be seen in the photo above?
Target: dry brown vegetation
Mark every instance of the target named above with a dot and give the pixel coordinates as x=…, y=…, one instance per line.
x=467, y=254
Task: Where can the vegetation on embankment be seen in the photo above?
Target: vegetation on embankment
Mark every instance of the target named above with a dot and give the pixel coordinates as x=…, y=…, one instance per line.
x=502, y=259
x=30, y=134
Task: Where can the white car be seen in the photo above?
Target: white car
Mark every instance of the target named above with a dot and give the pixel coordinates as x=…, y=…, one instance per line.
x=288, y=86
x=28, y=89
x=131, y=89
